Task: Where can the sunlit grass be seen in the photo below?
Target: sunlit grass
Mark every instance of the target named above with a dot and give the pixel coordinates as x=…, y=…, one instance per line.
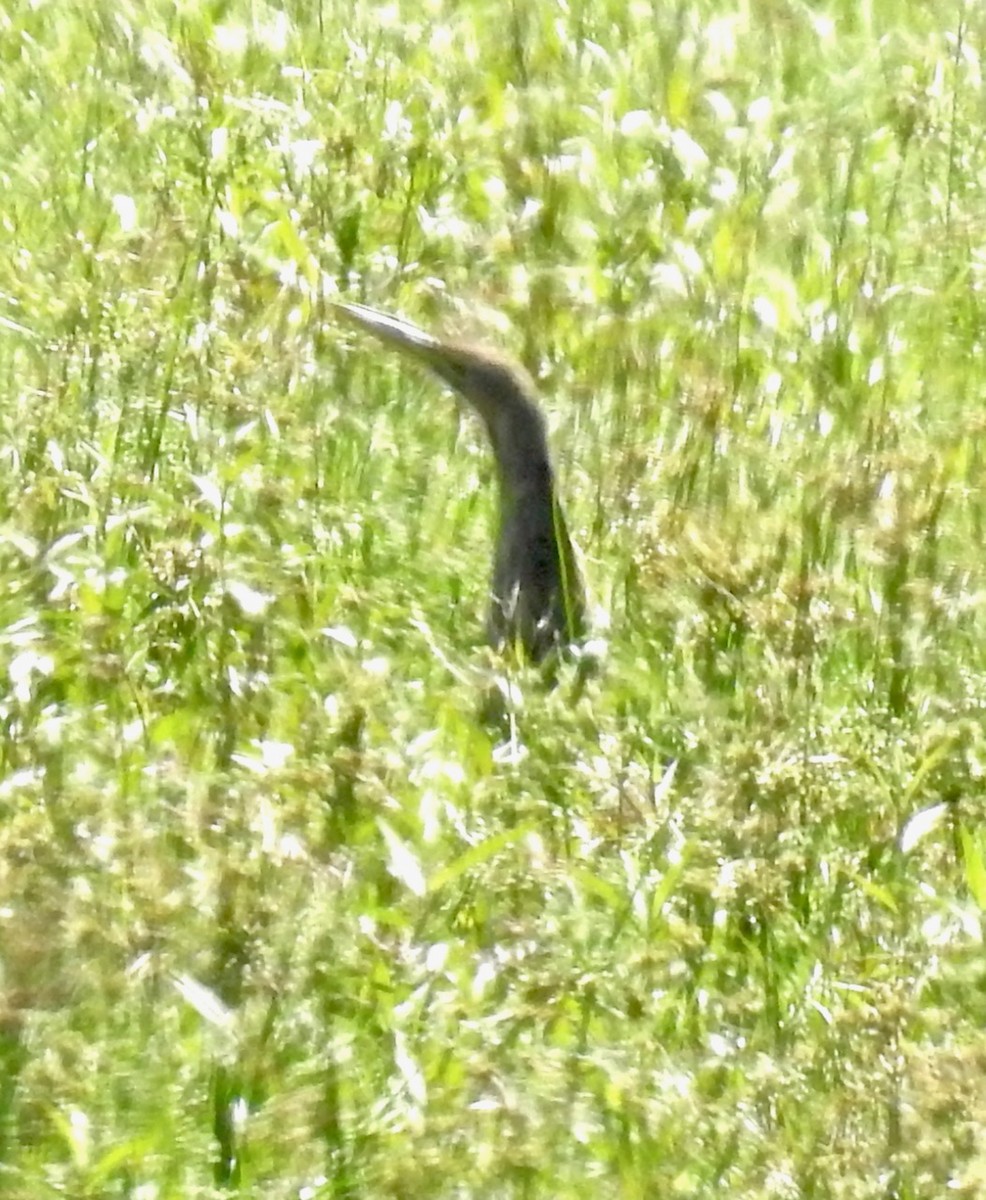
x=302, y=891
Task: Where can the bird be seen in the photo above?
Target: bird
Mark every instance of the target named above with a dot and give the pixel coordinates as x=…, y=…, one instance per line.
x=537, y=600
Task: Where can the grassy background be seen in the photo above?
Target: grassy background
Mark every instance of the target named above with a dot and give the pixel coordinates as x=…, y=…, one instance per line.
x=282, y=913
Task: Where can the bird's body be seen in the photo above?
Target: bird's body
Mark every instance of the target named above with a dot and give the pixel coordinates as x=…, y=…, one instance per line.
x=537, y=595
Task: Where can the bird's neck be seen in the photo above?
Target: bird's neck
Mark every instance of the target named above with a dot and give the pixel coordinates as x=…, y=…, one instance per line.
x=520, y=447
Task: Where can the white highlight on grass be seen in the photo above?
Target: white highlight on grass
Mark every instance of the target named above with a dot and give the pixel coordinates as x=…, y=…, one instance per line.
x=403, y=863
x=209, y=490
x=691, y=157
x=340, y=634
x=250, y=602
x=760, y=110
x=637, y=122
x=24, y=668
x=126, y=212
x=920, y=825
x=205, y=1002
x=409, y=1070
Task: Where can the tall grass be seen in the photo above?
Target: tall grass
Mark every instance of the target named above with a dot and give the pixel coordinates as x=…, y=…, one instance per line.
x=288, y=907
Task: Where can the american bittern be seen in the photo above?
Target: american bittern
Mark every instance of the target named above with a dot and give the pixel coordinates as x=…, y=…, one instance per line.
x=537, y=595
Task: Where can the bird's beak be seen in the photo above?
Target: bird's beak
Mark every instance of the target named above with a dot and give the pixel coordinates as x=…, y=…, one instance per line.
x=402, y=335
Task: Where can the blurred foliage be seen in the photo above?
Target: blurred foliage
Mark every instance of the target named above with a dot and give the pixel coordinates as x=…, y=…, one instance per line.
x=284, y=910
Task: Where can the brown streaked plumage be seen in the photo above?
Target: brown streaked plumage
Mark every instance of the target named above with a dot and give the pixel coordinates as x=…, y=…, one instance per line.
x=537, y=594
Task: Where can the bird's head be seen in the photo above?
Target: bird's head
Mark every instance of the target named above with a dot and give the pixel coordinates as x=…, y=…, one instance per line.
x=500, y=391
